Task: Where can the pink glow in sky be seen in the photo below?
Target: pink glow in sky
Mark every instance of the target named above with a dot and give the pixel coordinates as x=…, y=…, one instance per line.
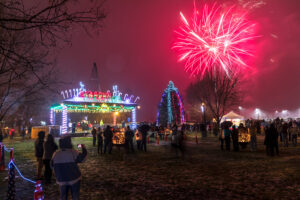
x=134, y=51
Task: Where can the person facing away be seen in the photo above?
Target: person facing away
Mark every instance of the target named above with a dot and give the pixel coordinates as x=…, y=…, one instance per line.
x=227, y=134
x=138, y=139
x=108, y=135
x=294, y=133
x=144, y=130
x=49, y=148
x=271, y=140
x=39, y=152
x=1, y=136
x=177, y=140
x=284, y=131
x=94, y=134
x=100, y=140
x=253, y=140
x=66, y=170
x=129, y=139
x=174, y=137
x=235, y=138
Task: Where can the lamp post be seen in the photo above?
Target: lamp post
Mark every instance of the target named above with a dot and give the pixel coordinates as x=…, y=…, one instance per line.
x=257, y=111
x=203, y=112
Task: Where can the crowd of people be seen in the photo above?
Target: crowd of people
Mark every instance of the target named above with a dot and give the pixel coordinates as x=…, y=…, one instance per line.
x=63, y=158
x=274, y=131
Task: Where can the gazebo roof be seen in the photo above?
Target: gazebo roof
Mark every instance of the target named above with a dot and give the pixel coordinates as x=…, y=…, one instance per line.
x=81, y=100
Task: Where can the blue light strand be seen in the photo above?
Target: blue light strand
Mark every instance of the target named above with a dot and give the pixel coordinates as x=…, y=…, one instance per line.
x=6, y=149
x=167, y=92
x=26, y=179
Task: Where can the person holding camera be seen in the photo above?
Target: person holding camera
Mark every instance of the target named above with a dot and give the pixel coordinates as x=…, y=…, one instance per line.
x=66, y=170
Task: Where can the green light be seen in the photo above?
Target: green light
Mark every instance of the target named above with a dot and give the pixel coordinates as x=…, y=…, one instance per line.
x=103, y=108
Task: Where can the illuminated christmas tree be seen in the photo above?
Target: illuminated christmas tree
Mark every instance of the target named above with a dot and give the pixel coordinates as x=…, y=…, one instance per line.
x=170, y=109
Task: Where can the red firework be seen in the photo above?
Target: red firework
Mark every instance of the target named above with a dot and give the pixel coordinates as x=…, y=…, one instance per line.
x=213, y=38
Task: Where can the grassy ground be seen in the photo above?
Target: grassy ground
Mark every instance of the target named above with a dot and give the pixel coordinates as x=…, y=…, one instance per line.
x=204, y=173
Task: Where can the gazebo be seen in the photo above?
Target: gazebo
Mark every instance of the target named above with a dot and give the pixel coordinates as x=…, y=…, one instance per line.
x=80, y=100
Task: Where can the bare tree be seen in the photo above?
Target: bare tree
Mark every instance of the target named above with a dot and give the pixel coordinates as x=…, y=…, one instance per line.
x=30, y=33
x=217, y=91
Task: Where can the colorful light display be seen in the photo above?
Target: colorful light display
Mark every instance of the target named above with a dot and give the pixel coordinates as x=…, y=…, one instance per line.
x=83, y=101
x=214, y=38
x=82, y=95
x=171, y=107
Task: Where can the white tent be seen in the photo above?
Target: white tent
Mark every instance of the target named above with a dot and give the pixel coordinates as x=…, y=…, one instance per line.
x=233, y=117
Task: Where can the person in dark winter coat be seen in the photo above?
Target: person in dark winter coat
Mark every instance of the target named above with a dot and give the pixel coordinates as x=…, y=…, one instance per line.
x=100, y=140
x=49, y=148
x=66, y=170
x=177, y=140
x=1, y=136
x=144, y=130
x=39, y=152
x=293, y=130
x=253, y=140
x=129, y=139
x=285, y=138
x=227, y=134
x=108, y=135
x=271, y=140
x=235, y=138
x=94, y=134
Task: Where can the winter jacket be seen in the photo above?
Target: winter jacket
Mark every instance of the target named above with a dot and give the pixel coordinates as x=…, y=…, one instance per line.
x=65, y=165
x=108, y=135
x=129, y=135
x=39, y=148
x=293, y=130
x=49, y=149
x=227, y=132
x=99, y=137
x=252, y=131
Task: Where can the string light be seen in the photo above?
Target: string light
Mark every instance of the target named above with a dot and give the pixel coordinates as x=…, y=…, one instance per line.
x=51, y=117
x=21, y=175
x=64, y=128
x=103, y=108
x=169, y=92
x=134, y=118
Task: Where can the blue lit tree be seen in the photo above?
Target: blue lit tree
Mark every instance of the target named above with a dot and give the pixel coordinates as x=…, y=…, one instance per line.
x=170, y=109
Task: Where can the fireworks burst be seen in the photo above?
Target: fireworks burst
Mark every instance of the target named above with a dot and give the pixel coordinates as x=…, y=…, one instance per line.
x=214, y=39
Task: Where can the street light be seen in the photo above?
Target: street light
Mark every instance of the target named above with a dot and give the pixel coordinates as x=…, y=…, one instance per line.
x=257, y=111
x=203, y=111
x=284, y=113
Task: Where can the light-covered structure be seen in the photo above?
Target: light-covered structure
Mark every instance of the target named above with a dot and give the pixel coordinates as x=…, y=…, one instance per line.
x=80, y=100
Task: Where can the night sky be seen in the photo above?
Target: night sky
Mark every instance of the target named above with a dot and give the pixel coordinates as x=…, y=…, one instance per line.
x=133, y=50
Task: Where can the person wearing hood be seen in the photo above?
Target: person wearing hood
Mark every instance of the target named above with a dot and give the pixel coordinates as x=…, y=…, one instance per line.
x=66, y=170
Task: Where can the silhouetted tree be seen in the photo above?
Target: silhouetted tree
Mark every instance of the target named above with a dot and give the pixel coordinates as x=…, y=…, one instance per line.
x=217, y=91
x=30, y=33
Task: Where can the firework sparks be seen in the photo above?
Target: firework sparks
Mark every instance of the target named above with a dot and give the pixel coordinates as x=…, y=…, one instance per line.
x=214, y=39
